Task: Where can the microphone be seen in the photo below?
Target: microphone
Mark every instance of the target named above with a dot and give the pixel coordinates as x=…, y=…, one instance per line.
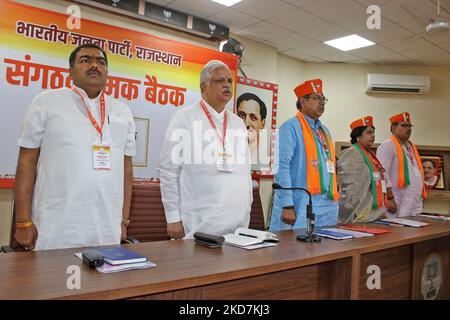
x=310, y=216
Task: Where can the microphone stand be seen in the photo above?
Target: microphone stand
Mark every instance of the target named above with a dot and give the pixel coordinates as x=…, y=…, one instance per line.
x=310, y=216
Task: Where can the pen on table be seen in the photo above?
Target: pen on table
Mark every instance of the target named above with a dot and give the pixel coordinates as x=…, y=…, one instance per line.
x=247, y=235
x=108, y=118
x=382, y=222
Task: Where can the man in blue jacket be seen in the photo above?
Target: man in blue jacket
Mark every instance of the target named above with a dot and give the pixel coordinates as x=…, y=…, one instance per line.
x=306, y=159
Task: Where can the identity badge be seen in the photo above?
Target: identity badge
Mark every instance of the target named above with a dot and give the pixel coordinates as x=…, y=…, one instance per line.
x=330, y=166
x=102, y=156
x=416, y=171
x=224, y=161
x=376, y=176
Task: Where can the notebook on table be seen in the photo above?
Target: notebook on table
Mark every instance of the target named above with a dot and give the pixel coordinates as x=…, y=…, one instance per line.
x=251, y=239
x=361, y=228
x=120, y=255
x=406, y=222
x=332, y=234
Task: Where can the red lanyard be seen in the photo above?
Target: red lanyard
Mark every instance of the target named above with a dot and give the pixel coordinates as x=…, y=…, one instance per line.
x=222, y=139
x=102, y=112
x=409, y=153
x=319, y=134
x=375, y=161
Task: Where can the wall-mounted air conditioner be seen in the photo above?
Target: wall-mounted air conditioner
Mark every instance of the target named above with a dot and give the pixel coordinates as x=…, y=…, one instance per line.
x=397, y=83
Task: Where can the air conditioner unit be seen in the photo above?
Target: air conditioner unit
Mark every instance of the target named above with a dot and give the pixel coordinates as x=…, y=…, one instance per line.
x=397, y=83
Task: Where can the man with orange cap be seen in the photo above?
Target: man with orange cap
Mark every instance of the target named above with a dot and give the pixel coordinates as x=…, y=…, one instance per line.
x=404, y=172
x=306, y=159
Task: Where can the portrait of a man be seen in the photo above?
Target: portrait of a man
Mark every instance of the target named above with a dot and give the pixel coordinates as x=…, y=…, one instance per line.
x=432, y=171
x=256, y=104
x=253, y=111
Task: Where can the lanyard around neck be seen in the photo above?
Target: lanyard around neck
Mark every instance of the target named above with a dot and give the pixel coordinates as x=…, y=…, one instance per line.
x=102, y=112
x=211, y=121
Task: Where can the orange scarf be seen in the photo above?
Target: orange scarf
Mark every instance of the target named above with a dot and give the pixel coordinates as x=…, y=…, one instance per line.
x=314, y=170
x=403, y=168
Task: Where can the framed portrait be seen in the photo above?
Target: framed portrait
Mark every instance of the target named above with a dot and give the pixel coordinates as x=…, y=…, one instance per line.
x=142, y=134
x=256, y=105
x=433, y=170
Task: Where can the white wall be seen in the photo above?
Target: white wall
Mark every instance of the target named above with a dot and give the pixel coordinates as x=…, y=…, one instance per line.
x=343, y=85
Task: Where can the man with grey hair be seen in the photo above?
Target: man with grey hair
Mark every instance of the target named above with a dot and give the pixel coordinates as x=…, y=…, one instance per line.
x=204, y=164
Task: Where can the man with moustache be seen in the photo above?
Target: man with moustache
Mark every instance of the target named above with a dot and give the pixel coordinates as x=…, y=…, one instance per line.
x=74, y=172
x=429, y=171
x=404, y=171
x=306, y=159
x=207, y=188
x=253, y=111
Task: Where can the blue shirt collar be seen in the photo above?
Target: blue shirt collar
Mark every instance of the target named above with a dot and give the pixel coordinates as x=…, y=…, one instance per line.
x=315, y=124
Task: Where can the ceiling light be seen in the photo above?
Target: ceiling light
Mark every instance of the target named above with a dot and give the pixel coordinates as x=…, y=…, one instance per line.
x=227, y=3
x=349, y=43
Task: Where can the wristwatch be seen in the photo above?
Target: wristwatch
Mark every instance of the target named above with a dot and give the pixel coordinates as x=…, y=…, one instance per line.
x=126, y=222
x=288, y=207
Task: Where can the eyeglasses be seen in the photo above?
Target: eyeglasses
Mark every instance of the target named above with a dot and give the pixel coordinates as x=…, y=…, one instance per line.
x=319, y=98
x=405, y=125
x=222, y=81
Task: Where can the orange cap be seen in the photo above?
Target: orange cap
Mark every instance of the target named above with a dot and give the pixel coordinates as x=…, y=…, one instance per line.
x=308, y=87
x=362, y=122
x=404, y=116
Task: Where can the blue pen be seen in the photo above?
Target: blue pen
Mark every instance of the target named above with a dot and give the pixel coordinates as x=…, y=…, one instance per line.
x=383, y=222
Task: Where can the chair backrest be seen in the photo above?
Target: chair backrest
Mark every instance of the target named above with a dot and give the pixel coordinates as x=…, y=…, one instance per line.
x=148, y=220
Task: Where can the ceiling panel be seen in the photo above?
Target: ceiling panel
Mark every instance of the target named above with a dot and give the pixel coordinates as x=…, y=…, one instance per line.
x=263, y=9
x=395, y=12
x=293, y=41
x=446, y=5
x=443, y=60
x=279, y=47
x=358, y=22
x=304, y=24
x=297, y=54
x=376, y=2
x=372, y=52
x=324, y=32
x=299, y=3
x=234, y=19
x=340, y=57
x=445, y=46
x=394, y=59
x=332, y=9
x=199, y=8
x=360, y=61
x=437, y=38
x=405, y=45
x=424, y=52
x=296, y=19
x=262, y=31
x=319, y=50
x=388, y=33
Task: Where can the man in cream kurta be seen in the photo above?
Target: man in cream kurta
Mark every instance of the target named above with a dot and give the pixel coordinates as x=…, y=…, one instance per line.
x=408, y=199
x=73, y=203
x=199, y=191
